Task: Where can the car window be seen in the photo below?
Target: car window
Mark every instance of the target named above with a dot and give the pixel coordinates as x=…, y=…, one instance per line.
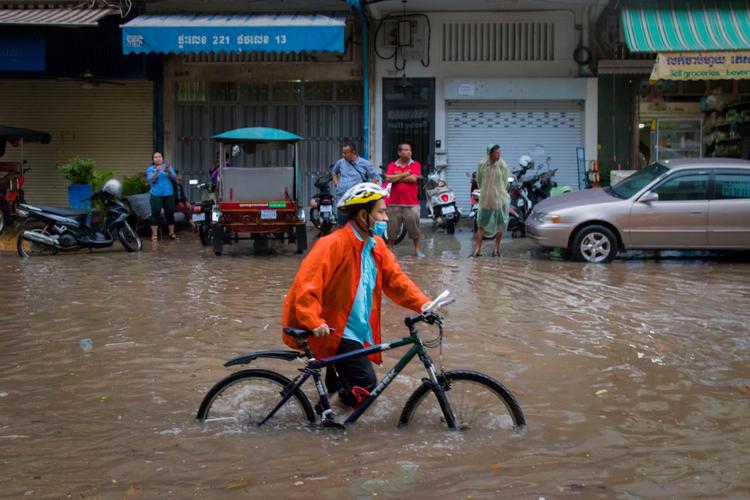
x=639, y=180
x=731, y=186
x=684, y=187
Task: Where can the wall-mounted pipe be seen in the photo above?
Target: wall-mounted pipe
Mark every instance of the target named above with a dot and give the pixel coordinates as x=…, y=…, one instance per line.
x=365, y=73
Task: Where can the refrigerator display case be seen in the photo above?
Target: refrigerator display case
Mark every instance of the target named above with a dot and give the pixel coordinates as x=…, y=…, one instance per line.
x=677, y=138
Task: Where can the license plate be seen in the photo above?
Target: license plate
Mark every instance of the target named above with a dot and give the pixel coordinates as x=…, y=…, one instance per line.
x=199, y=217
x=449, y=209
x=326, y=209
x=268, y=214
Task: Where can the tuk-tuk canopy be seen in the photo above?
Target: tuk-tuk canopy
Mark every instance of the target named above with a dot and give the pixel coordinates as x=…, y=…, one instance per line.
x=28, y=135
x=257, y=135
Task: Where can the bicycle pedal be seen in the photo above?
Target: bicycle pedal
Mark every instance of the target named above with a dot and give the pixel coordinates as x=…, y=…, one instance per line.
x=332, y=424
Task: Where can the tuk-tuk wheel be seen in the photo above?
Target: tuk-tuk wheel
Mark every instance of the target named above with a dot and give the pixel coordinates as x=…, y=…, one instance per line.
x=301, y=237
x=217, y=239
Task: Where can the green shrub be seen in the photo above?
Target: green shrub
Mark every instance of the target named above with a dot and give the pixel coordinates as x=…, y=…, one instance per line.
x=100, y=177
x=78, y=170
x=135, y=184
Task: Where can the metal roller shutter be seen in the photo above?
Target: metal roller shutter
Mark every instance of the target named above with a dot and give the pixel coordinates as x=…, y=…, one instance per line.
x=110, y=124
x=519, y=127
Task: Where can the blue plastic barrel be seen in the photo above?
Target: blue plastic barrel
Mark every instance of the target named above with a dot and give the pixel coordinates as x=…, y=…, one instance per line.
x=78, y=195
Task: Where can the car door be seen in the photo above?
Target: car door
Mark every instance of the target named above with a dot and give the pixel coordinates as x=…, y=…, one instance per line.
x=729, y=209
x=678, y=218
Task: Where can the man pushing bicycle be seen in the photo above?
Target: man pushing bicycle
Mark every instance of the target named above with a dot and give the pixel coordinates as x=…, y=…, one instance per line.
x=337, y=292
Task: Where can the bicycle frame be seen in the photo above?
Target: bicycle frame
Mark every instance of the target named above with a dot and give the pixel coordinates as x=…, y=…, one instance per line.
x=313, y=370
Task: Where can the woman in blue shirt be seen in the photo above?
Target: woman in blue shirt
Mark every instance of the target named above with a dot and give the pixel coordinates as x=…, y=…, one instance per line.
x=160, y=176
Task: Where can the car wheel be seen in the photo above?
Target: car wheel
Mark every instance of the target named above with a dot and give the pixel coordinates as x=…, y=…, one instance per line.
x=595, y=244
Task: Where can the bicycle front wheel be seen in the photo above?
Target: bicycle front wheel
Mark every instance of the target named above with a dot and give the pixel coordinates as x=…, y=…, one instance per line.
x=479, y=403
x=245, y=398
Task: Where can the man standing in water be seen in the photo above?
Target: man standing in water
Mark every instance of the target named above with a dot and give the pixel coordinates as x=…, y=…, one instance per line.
x=494, y=200
x=403, y=205
x=338, y=289
x=351, y=169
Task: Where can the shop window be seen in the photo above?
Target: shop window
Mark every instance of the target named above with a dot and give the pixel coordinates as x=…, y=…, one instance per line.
x=318, y=91
x=349, y=91
x=253, y=92
x=686, y=187
x=191, y=91
x=222, y=91
x=286, y=91
x=697, y=87
x=731, y=186
x=206, y=91
x=720, y=86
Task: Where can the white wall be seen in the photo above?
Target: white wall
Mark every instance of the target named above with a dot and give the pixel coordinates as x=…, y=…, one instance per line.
x=501, y=80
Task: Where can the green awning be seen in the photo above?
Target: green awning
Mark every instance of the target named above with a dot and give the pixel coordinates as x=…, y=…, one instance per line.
x=686, y=25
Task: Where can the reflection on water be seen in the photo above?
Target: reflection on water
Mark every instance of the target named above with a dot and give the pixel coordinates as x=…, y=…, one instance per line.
x=633, y=377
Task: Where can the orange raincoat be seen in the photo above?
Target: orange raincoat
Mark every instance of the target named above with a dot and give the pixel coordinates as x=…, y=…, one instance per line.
x=326, y=285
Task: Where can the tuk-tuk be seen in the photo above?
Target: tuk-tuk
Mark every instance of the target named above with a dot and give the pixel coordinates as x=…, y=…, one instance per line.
x=12, y=172
x=258, y=203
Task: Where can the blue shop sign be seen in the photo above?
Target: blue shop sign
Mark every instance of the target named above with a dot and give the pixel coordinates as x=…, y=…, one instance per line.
x=21, y=53
x=234, y=33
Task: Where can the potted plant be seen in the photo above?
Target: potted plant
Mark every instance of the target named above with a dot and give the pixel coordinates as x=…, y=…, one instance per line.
x=80, y=173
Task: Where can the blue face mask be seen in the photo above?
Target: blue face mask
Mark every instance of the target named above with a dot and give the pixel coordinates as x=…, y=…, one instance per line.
x=379, y=228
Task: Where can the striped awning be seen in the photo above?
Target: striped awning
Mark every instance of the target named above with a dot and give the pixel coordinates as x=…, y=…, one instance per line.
x=72, y=17
x=686, y=25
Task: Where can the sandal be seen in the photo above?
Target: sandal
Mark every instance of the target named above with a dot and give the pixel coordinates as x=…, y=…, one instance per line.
x=475, y=254
x=154, y=238
x=495, y=253
x=172, y=236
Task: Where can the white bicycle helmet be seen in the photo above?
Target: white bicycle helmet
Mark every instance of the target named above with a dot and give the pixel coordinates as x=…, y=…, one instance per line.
x=113, y=187
x=362, y=193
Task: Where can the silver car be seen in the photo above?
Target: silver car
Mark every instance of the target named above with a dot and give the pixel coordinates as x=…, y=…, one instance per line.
x=675, y=204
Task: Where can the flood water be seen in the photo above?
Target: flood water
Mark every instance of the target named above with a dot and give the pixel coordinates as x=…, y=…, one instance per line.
x=633, y=376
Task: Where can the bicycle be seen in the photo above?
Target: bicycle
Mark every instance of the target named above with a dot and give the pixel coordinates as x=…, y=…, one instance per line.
x=265, y=396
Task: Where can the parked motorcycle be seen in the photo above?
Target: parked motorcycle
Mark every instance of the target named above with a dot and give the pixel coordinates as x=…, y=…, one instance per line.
x=49, y=230
x=441, y=201
x=530, y=186
x=11, y=191
x=202, y=210
x=322, y=208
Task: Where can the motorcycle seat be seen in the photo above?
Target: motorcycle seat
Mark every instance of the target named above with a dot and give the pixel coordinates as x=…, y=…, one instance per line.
x=64, y=212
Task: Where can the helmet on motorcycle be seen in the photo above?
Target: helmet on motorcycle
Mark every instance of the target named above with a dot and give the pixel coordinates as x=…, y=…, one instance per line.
x=113, y=187
x=361, y=194
x=524, y=160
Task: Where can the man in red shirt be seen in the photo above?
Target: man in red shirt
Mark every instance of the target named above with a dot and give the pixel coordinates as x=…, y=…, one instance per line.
x=403, y=205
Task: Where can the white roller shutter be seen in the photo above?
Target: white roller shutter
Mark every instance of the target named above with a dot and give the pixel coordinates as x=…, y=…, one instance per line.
x=519, y=127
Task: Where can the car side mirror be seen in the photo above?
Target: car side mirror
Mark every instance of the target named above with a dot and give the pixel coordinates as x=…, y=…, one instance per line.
x=649, y=197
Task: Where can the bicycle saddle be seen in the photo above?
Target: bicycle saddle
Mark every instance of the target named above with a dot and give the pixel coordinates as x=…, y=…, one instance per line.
x=297, y=333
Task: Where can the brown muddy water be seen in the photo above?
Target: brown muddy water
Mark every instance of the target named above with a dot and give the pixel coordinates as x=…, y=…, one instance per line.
x=633, y=376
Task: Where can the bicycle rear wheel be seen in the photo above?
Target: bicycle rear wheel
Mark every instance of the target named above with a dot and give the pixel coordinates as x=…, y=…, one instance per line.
x=245, y=398
x=479, y=403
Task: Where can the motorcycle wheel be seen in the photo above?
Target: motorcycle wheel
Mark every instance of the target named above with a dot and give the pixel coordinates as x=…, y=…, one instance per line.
x=315, y=218
x=129, y=238
x=401, y=235
x=2, y=220
x=450, y=227
x=325, y=227
x=204, y=233
x=28, y=248
x=217, y=239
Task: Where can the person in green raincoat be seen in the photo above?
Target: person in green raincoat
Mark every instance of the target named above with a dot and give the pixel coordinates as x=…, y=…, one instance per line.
x=494, y=200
